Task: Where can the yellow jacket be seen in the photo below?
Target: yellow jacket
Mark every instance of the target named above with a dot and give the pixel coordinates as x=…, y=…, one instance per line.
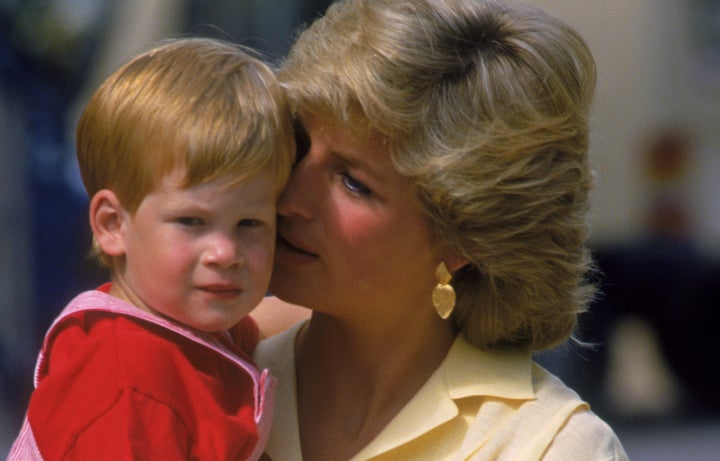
x=478, y=405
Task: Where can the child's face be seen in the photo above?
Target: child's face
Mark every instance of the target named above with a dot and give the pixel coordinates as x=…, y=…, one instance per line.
x=200, y=255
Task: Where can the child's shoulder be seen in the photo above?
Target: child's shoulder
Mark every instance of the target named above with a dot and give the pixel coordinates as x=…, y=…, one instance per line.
x=102, y=366
x=126, y=352
x=107, y=342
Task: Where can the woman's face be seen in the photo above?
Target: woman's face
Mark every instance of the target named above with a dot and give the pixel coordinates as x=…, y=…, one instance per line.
x=351, y=237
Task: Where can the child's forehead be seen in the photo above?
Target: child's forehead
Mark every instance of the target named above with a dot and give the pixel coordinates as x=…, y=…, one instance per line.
x=180, y=178
x=214, y=193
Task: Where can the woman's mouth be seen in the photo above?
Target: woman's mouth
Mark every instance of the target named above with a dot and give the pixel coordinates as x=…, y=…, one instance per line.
x=284, y=244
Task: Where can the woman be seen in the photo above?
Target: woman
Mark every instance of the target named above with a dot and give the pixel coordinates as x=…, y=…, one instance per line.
x=435, y=225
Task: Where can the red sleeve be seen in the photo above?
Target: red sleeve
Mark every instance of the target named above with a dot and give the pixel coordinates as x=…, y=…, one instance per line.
x=246, y=335
x=136, y=427
x=121, y=389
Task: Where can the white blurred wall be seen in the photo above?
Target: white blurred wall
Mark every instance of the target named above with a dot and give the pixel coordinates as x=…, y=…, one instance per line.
x=648, y=78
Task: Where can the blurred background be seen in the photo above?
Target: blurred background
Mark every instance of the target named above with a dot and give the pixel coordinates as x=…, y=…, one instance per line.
x=656, y=205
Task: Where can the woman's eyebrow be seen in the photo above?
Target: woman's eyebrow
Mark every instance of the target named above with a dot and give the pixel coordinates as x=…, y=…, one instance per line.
x=355, y=160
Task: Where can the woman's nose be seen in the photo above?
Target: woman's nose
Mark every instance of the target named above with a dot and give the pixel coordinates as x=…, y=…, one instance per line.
x=301, y=191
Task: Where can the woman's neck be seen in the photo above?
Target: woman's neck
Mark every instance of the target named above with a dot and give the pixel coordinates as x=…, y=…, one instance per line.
x=353, y=379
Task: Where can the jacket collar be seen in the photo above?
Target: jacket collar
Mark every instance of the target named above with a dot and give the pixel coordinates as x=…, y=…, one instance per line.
x=465, y=372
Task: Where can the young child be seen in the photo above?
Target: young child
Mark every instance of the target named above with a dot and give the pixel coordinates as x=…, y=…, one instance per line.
x=183, y=152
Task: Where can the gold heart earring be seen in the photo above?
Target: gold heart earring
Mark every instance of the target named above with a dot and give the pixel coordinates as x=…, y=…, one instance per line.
x=443, y=295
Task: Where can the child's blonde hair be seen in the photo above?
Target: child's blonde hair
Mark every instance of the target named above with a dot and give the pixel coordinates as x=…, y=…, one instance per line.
x=205, y=105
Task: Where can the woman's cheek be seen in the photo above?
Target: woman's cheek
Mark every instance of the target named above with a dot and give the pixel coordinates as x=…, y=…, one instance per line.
x=260, y=252
x=360, y=227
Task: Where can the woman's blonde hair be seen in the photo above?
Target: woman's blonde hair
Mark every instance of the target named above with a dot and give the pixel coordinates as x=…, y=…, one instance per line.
x=485, y=106
x=208, y=106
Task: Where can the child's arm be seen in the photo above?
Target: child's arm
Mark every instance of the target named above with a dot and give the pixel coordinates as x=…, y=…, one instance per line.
x=136, y=427
x=274, y=316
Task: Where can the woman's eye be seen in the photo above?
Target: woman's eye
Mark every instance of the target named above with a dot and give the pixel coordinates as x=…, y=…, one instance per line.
x=353, y=185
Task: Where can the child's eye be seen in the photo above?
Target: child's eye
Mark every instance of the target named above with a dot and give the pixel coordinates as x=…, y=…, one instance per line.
x=353, y=185
x=248, y=223
x=189, y=221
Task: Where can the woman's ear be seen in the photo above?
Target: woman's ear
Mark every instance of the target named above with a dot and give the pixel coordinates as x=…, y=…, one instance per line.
x=107, y=218
x=455, y=262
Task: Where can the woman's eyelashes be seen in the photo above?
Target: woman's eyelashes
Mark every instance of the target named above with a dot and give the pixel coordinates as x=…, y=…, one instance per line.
x=353, y=185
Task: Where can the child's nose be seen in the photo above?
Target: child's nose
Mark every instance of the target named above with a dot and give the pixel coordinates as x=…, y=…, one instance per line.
x=222, y=251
